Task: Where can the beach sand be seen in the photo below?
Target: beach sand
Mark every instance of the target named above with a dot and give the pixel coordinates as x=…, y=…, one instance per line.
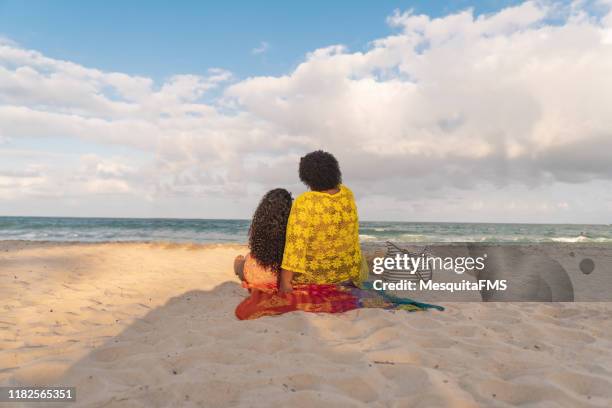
x=152, y=325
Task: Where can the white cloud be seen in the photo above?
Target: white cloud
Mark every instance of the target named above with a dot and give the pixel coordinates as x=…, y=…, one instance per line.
x=262, y=48
x=509, y=93
x=106, y=186
x=441, y=106
x=17, y=182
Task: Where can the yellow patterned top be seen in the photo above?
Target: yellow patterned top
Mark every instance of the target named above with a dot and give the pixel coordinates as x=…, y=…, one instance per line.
x=322, y=241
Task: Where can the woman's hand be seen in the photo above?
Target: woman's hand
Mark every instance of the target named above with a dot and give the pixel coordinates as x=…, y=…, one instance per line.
x=285, y=282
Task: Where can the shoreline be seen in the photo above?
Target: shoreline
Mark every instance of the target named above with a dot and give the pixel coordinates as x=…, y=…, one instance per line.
x=365, y=243
x=126, y=242
x=236, y=231
x=368, y=221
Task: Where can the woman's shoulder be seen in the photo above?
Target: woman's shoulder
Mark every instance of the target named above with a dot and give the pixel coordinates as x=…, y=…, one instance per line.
x=346, y=194
x=305, y=197
x=344, y=189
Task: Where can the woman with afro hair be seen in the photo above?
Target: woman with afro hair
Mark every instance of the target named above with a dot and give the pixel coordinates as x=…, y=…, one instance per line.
x=322, y=239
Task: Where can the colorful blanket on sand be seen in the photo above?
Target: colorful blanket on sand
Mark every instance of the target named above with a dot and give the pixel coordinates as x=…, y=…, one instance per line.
x=324, y=298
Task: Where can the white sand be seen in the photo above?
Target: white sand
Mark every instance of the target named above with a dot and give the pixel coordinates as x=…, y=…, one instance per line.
x=152, y=325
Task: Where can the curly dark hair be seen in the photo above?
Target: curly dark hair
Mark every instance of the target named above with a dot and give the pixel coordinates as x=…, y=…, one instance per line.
x=320, y=171
x=267, y=231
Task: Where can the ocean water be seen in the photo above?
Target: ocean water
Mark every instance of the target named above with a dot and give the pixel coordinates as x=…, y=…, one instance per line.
x=203, y=231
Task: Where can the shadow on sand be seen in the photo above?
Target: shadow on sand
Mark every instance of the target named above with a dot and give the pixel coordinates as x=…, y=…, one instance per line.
x=192, y=351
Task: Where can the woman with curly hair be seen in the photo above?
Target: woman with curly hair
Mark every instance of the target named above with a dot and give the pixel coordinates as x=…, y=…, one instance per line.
x=260, y=268
x=322, y=242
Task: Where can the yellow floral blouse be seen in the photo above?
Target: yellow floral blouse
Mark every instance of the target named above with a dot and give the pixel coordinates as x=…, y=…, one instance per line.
x=322, y=241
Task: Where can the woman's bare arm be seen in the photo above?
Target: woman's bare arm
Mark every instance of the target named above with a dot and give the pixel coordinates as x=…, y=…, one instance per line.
x=285, y=281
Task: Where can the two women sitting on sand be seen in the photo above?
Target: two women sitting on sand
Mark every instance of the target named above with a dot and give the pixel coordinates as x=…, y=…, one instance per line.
x=315, y=240
x=305, y=255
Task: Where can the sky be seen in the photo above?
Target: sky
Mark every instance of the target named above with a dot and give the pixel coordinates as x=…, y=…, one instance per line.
x=490, y=111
